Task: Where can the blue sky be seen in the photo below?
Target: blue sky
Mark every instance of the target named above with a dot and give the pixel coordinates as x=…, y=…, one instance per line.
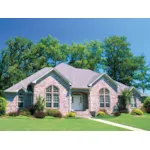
x=137, y=31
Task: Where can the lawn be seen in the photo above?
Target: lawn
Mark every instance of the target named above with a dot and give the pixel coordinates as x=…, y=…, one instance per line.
x=21, y=123
x=142, y=122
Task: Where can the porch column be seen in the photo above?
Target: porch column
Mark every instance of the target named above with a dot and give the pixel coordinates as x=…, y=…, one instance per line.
x=70, y=100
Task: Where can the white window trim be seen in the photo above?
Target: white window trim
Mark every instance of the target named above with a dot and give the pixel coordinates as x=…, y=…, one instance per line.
x=105, y=98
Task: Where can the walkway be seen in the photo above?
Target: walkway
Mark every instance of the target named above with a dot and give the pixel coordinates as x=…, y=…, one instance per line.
x=117, y=124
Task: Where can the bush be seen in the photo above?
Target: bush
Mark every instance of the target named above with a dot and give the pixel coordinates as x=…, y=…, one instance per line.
x=104, y=110
x=13, y=114
x=147, y=104
x=143, y=109
x=136, y=111
x=93, y=113
x=40, y=114
x=126, y=111
x=38, y=106
x=117, y=113
x=58, y=114
x=71, y=114
x=101, y=113
x=3, y=104
x=24, y=112
x=51, y=112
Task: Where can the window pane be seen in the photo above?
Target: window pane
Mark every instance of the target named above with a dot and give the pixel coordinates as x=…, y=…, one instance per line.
x=20, y=104
x=102, y=98
x=49, y=89
x=56, y=97
x=101, y=104
x=107, y=104
x=48, y=104
x=55, y=89
x=106, y=91
x=56, y=104
x=48, y=97
x=102, y=91
x=107, y=98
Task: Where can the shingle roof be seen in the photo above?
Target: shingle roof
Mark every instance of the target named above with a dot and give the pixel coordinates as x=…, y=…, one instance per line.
x=24, y=83
x=79, y=78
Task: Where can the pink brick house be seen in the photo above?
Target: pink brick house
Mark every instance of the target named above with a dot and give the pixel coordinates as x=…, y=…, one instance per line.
x=69, y=89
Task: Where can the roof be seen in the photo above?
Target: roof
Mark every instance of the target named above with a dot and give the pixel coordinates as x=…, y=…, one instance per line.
x=77, y=78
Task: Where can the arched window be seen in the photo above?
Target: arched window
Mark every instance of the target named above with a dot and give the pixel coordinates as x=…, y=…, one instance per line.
x=52, y=97
x=104, y=98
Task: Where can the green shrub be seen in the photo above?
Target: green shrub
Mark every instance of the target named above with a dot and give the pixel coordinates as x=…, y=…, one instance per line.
x=117, y=113
x=101, y=113
x=24, y=112
x=147, y=104
x=38, y=106
x=13, y=114
x=104, y=110
x=51, y=112
x=58, y=114
x=71, y=114
x=40, y=115
x=136, y=111
x=3, y=104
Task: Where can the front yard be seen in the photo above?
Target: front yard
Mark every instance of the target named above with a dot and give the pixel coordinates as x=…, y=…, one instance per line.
x=142, y=122
x=22, y=123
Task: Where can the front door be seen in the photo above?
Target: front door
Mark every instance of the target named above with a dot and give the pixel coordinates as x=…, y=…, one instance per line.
x=77, y=102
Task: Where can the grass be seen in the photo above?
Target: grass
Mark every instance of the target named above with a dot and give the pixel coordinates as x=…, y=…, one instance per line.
x=22, y=123
x=142, y=122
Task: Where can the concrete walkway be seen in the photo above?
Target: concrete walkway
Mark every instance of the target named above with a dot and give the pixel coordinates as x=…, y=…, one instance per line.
x=117, y=124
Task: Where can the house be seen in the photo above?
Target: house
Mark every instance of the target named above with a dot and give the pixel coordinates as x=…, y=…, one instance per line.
x=69, y=89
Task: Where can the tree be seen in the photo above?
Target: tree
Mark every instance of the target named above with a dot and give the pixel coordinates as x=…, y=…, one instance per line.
x=142, y=75
x=87, y=55
x=120, y=63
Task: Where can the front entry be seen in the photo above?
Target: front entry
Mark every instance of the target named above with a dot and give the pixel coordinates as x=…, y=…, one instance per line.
x=77, y=102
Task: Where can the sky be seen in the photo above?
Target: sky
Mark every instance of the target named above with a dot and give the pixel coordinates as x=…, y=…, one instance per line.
x=70, y=30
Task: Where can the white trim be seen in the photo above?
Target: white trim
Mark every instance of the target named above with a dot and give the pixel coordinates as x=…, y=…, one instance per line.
x=102, y=76
x=135, y=90
x=20, y=89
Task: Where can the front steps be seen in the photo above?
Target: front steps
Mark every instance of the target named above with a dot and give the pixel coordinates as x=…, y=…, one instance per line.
x=83, y=114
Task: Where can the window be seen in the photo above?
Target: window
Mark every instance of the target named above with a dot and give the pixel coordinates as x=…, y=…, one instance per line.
x=52, y=96
x=104, y=98
x=133, y=102
x=20, y=100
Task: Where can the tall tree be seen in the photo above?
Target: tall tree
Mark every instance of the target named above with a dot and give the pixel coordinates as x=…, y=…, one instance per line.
x=120, y=63
x=86, y=55
x=142, y=75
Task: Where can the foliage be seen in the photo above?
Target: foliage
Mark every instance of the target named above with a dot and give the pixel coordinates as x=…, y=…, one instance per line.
x=38, y=106
x=117, y=113
x=93, y=113
x=126, y=98
x=13, y=114
x=104, y=110
x=51, y=112
x=147, y=104
x=120, y=63
x=71, y=114
x=24, y=112
x=3, y=104
x=39, y=114
x=101, y=113
x=136, y=111
x=58, y=114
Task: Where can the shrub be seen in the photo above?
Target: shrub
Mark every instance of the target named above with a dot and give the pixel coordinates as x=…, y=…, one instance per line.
x=58, y=114
x=101, y=113
x=117, y=113
x=40, y=114
x=104, y=110
x=24, y=112
x=38, y=106
x=51, y=112
x=136, y=111
x=93, y=113
x=147, y=104
x=3, y=104
x=124, y=111
x=71, y=114
x=13, y=114
x=143, y=109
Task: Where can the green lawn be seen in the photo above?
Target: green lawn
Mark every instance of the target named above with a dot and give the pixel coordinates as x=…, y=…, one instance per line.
x=21, y=123
x=142, y=122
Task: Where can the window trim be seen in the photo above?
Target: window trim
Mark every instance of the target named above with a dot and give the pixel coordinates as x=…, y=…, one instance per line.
x=104, y=96
x=52, y=96
x=133, y=102
x=20, y=95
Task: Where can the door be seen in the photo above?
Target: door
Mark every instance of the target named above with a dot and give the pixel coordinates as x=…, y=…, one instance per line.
x=77, y=102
